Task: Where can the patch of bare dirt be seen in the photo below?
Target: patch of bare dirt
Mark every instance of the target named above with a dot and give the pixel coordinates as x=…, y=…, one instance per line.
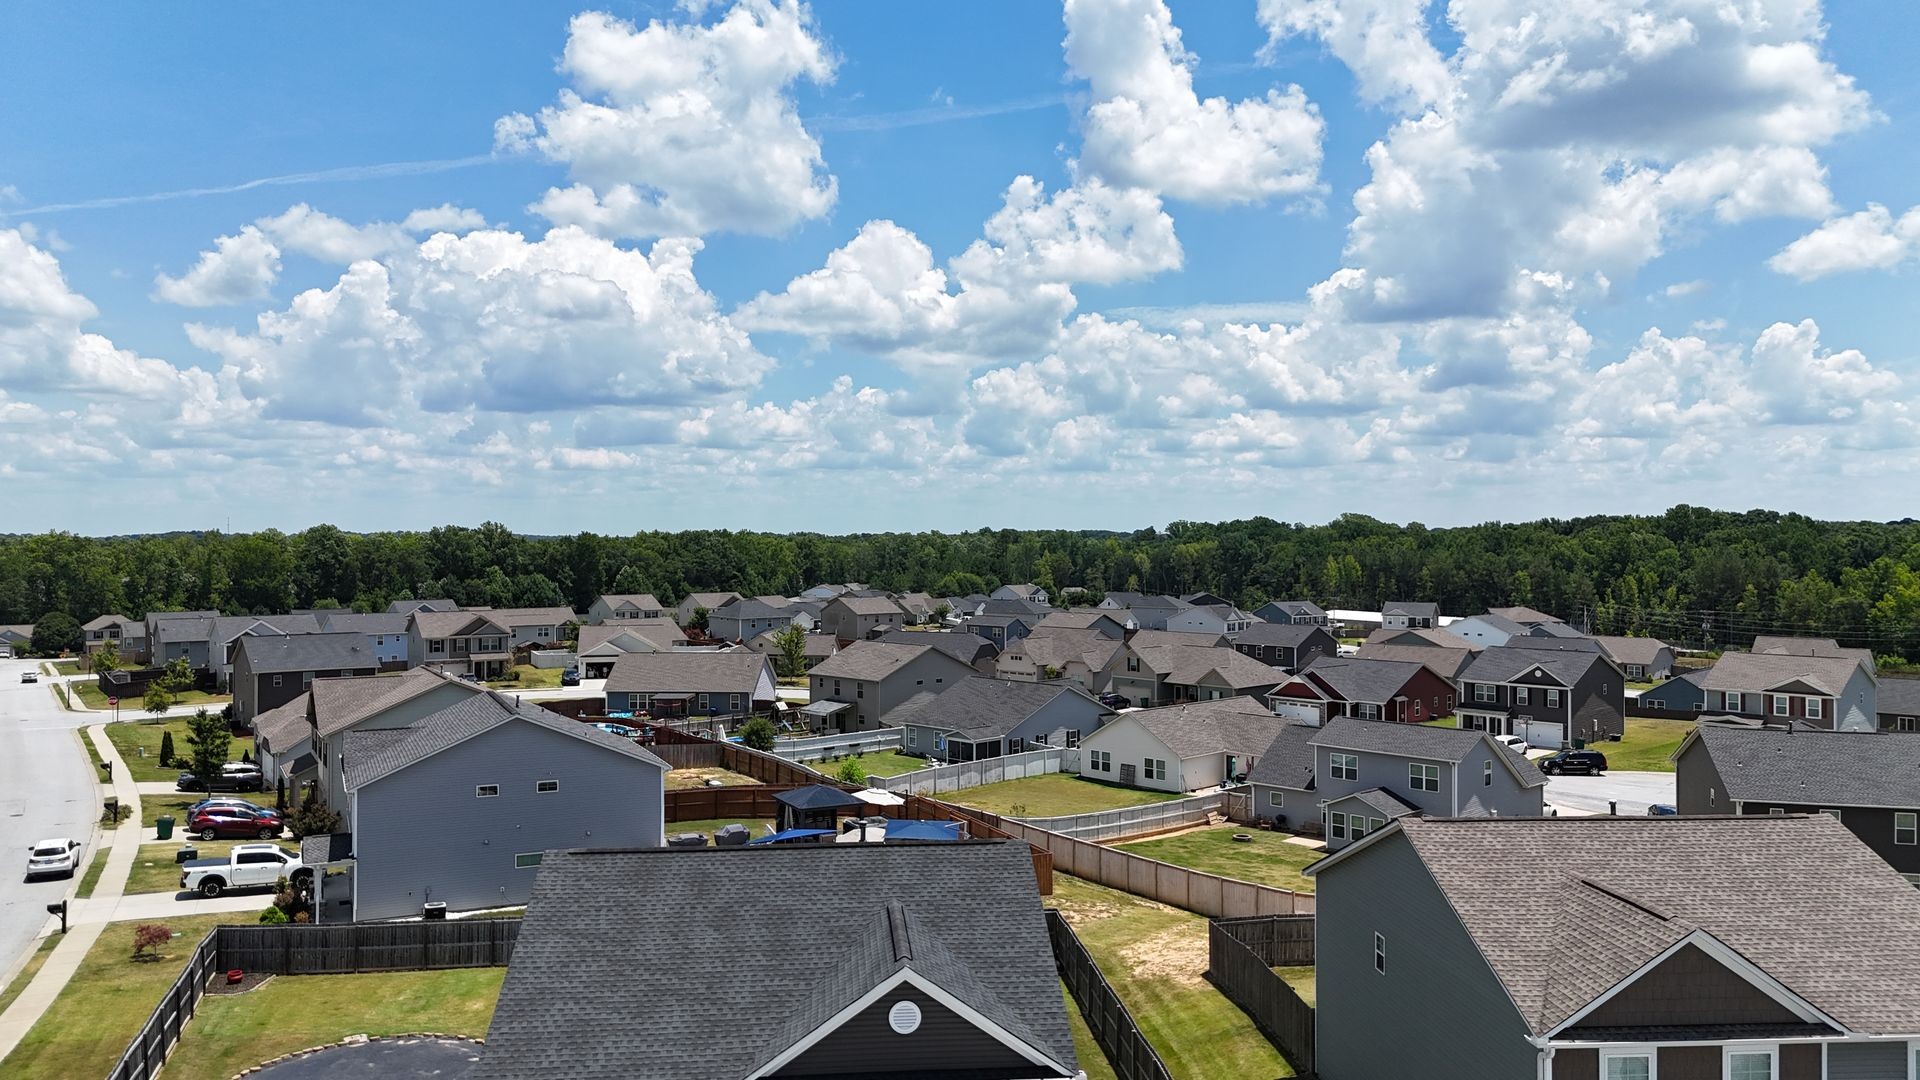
x=1178, y=954
x=681, y=779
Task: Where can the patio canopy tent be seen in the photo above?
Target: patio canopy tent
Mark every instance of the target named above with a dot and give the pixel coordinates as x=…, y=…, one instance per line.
x=815, y=806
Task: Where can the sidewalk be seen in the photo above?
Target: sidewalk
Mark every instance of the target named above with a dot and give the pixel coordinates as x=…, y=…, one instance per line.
x=52, y=977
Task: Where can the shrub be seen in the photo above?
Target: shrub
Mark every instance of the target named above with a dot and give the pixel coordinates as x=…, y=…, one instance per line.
x=302, y=917
x=852, y=772
x=273, y=916
x=758, y=734
x=166, y=749
x=147, y=939
x=313, y=818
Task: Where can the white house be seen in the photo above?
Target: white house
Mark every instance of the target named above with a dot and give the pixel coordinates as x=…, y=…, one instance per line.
x=1181, y=748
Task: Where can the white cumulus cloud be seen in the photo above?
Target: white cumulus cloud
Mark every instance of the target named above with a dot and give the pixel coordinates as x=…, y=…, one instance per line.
x=1872, y=239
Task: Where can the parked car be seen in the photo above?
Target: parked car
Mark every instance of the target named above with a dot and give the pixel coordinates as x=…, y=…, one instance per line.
x=220, y=800
x=1589, y=762
x=570, y=677
x=247, y=866
x=29, y=676
x=59, y=857
x=235, y=821
x=1513, y=742
x=1661, y=809
x=234, y=776
x=1115, y=701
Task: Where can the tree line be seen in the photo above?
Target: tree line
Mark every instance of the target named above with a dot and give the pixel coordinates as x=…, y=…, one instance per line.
x=1690, y=575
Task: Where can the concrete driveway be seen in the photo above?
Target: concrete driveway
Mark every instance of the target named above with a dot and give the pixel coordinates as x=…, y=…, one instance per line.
x=1632, y=792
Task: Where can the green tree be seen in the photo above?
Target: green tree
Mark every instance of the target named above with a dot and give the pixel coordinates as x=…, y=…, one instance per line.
x=166, y=749
x=56, y=632
x=179, y=676
x=699, y=620
x=792, y=643
x=758, y=734
x=208, y=743
x=851, y=771
x=158, y=698
x=106, y=659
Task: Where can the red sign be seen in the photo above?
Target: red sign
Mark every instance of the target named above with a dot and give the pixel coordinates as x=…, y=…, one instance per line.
x=113, y=701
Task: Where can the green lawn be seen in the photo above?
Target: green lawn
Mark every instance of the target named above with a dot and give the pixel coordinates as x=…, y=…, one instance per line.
x=86, y=747
x=527, y=677
x=152, y=806
x=132, y=736
x=1301, y=979
x=1093, y=1060
x=28, y=970
x=1265, y=860
x=68, y=667
x=1647, y=744
x=1156, y=958
x=877, y=763
x=1445, y=721
x=154, y=870
x=132, y=708
x=293, y=1012
x=91, y=878
x=87, y=1028
x=1053, y=795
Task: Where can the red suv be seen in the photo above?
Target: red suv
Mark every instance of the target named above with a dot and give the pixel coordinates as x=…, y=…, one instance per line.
x=234, y=821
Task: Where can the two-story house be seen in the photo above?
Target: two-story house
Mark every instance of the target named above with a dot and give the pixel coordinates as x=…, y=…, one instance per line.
x=1870, y=780
x=745, y=619
x=127, y=637
x=408, y=607
x=190, y=639
x=17, y=638
x=1602, y=948
x=599, y=646
x=1446, y=663
x=859, y=618
x=1409, y=615
x=859, y=687
x=1154, y=674
x=1087, y=658
x=269, y=671
x=1024, y=591
x=1113, y=624
x=1484, y=630
x=813, y=647
x=970, y=649
x=1286, y=645
x=982, y=717
x=1396, y=690
x=1224, y=619
x=337, y=706
x=459, y=642
x=1292, y=611
x=1547, y=696
x=386, y=633
x=1190, y=747
x=1640, y=659
x=701, y=601
x=502, y=782
x=1824, y=691
x=1150, y=611
x=1001, y=630
x=614, y=607
x=732, y=684
x=542, y=628
x=1897, y=701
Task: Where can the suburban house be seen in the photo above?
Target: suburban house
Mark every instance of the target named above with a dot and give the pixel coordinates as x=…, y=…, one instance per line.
x=1771, y=645
x=970, y=649
x=745, y=619
x=1149, y=611
x=1107, y=623
x=1409, y=615
x=17, y=638
x=1205, y=598
x=857, y=618
x=1485, y=630
x=1291, y=611
x=614, y=607
x=1358, y=776
x=1640, y=659
x=823, y=593
x=1680, y=694
x=857, y=688
x=918, y=606
x=1222, y=619
x=1825, y=691
x=268, y=672
x=1870, y=780
x=1525, y=616
x=1001, y=630
x=814, y=647
x=1286, y=644
x=1026, y=591
x=386, y=633
x=1397, y=690
x=459, y=642
x=189, y=641
x=982, y=717
x=600, y=645
x=665, y=684
x=408, y=607
x=936, y=964
x=1692, y=947
x=1547, y=696
x=502, y=782
x=1191, y=747
x=1446, y=663
x=1029, y=611
x=1154, y=674
x=1087, y=658
x=1897, y=702
x=542, y=628
x=1418, y=638
x=698, y=601
x=128, y=637
x=283, y=744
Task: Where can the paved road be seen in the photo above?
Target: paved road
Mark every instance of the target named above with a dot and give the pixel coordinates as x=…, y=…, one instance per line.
x=46, y=789
x=1633, y=791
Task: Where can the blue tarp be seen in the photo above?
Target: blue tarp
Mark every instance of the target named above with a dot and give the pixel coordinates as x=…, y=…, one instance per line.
x=792, y=834
x=903, y=829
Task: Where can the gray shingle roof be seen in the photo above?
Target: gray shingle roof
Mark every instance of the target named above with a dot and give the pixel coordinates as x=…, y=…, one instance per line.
x=440, y=624
x=532, y=616
x=1631, y=650
x=382, y=622
x=307, y=652
x=867, y=605
x=751, y=608
x=1802, y=767
x=1296, y=608
x=1147, y=601
x=662, y=634
x=1289, y=635
x=372, y=755
x=1447, y=663
x=1810, y=646
x=342, y=703
x=1419, y=741
x=1502, y=663
x=644, y=601
x=869, y=660
x=1287, y=761
x=1898, y=697
x=983, y=708
x=1755, y=672
x=1767, y=887
x=966, y=648
x=1026, y=609
x=1190, y=665
x=1237, y=725
x=1417, y=609
x=1377, y=681
x=278, y=729
x=718, y=983
x=1416, y=635
x=408, y=607
x=1393, y=806
x=1058, y=647
x=1523, y=614
x=1079, y=619
x=687, y=672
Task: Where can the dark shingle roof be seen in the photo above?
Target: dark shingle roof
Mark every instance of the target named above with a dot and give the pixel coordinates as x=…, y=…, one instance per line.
x=874, y=660
x=1447, y=663
x=1235, y=725
x=1393, y=806
x=1744, y=672
x=1805, y=767
x=687, y=672
x=372, y=755
x=1418, y=609
x=751, y=608
x=1419, y=741
x=1296, y=608
x=1287, y=634
x=1810, y=646
x=982, y=708
x=1363, y=680
x=307, y=652
x=1631, y=650
x=1523, y=615
x=1503, y=663
x=382, y=622
x=1897, y=696
x=1288, y=760
x=719, y=983
x=278, y=729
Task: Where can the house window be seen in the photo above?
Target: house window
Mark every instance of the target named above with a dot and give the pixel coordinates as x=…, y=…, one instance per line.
x=1101, y=761
x=1733, y=702
x=1553, y=697
x=1424, y=777
x=703, y=703
x=913, y=738
x=1154, y=768
x=1814, y=708
x=486, y=791
x=1344, y=766
x=436, y=647
x=860, y=690
x=836, y=688
x=1380, y=953
x=1133, y=663
x=1635, y=671
x=1776, y=811
x=1486, y=774
x=1835, y=813
x=1367, y=710
x=1779, y=704
x=1276, y=798
x=1482, y=692
x=276, y=678
x=1375, y=824
x=1626, y=1064
x=547, y=787
x=527, y=861
x=1751, y=1063
x=733, y=702
x=1907, y=723
x=1336, y=826
x=1521, y=694
x=1073, y=738
x=1906, y=829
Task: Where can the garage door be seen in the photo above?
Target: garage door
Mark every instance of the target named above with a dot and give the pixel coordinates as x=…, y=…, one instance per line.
x=1297, y=711
x=1543, y=734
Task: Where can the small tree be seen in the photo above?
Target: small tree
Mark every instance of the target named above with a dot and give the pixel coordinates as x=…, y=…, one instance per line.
x=208, y=743
x=158, y=699
x=107, y=659
x=699, y=620
x=758, y=734
x=166, y=749
x=179, y=676
x=792, y=643
x=147, y=939
x=851, y=771
x=941, y=610
x=313, y=818
x=273, y=916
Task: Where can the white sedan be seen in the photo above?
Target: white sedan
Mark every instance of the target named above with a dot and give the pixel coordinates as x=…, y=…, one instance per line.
x=53, y=858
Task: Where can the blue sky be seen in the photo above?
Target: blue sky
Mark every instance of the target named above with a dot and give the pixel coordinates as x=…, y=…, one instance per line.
x=773, y=265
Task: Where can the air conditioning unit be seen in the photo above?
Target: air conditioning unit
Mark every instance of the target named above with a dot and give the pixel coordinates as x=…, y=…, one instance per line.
x=434, y=910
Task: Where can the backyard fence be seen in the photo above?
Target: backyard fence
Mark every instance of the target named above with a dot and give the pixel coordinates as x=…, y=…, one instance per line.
x=816, y=747
x=1246, y=977
x=1128, y=1051
x=148, y=1051
x=1278, y=940
x=940, y=779
x=1133, y=820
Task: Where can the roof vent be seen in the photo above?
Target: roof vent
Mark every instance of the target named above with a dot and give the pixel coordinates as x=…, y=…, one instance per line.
x=902, y=944
x=904, y=1018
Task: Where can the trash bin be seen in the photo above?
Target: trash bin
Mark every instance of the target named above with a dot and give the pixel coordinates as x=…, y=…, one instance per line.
x=165, y=824
x=186, y=854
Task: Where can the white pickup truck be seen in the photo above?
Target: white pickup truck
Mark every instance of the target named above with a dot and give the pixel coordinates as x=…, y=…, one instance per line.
x=247, y=866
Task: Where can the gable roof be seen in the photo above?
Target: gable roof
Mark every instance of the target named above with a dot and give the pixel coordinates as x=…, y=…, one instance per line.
x=645, y=601
x=982, y=707
x=1028, y=610
x=1077, y=619
x=1419, y=741
x=440, y=624
x=1644, y=651
x=1416, y=609
x=375, y=755
x=1234, y=725
x=1294, y=608
x=379, y=622
x=98, y=622
x=1897, y=696
x=1524, y=615
x=1354, y=679
x=1446, y=663
x=813, y=646
x=1288, y=760
x=874, y=660
x=1141, y=639
x=342, y=703
x=1053, y=646
x=279, y=728
x=1810, y=646
x=1289, y=635
x=1635, y=889
x=512, y=618
x=1426, y=636
x=1389, y=804
x=1812, y=767
x=966, y=648
x=306, y=652
x=1191, y=665
x=865, y=605
x=597, y=991
x=661, y=633
x=1743, y=672
x=751, y=608
x=1146, y=601
x=687, y=672
x=1503, y=663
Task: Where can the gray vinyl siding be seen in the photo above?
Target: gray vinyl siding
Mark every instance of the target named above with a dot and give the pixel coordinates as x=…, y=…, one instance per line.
x=735, y=629
x=1867, y=1061
x=1677, y=694
x=1298, y=805
x=1698, y=788
x=401, y=715
x=944, y=1043
x=1068, y=712
x=932, y=671
x=422, y=835
x=1449, y=1016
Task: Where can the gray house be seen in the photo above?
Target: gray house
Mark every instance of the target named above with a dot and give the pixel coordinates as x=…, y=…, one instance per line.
x=613, y=607
x=501, y=783
x=1897, y=702
x=859, y=687
x=599, y=646
x=1870, y=780
x=459, y=642
x=386, y=633
x=268, y=672
x=1547, y=696
x=736, y=683
x=1113, y=624
x=1601, y=948
x=1181, y=748
x=1292, y=611
x=982, y=717
x=1000, y=630
x=970, y=649
x=1409, y=615
x=1087, y=658
x=1150, y=611
x=1825, y=691
x=1682, y=693
x=338, y=706
x=858, y=618
x=1156, y=674
x=1286, y=645
x=745, y=619
x=543, y=628
x=695, y=601
x=1638, y=658
x=935, y=963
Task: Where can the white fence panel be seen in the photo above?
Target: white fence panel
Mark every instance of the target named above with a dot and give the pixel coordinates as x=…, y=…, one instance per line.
x=551, y=658
x=1134, y=820
x=968, y=774
x=816, y=747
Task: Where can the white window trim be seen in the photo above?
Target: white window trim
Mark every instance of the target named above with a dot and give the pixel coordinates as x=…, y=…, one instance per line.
x=480, y=791
x=1334, y=767
x=1913, y=829
x=1521, y=694
x=1336, y=825
x=1780, y=705
x=1486, y=774
x=1816, y=710
x=1651, y=1053
x=536, y=856
x=1276, y=797
x=540, y=788
x=1379, y=953
x=1733, y=701
x=1772, y=1050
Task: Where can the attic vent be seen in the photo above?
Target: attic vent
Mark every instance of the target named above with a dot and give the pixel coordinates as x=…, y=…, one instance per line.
x=904, y=1018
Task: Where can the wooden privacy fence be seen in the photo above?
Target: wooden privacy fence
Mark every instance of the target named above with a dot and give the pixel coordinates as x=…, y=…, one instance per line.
x=1128, y=1051
x=1247, y=979
x=1132, y=820
x=939, y=779
x=148, y=1050
x=1278, y=940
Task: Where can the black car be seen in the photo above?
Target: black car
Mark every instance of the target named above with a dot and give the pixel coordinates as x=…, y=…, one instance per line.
x=1115, y=701
x=1589, y=762
x=570, y=677
x=229, y=780
x=1661, y=809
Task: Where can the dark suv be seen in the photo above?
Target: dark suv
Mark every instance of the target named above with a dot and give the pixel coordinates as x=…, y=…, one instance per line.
x=1589, y=762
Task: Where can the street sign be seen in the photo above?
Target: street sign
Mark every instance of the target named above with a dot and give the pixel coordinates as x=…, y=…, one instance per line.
x=113, y=701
